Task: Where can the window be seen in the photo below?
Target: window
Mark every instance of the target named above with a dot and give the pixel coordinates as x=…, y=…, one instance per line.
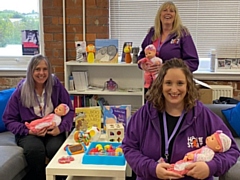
x=213, y=24
x=20, y=32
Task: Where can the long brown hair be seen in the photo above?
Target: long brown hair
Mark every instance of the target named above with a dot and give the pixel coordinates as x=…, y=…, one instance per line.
x=155, y=93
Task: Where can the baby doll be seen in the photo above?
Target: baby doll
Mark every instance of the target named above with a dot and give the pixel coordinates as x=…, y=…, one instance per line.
x=216, y=143
x=53, y=119
x=150, y=58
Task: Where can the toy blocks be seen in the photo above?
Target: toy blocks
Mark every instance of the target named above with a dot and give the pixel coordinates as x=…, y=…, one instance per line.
x=114, y=132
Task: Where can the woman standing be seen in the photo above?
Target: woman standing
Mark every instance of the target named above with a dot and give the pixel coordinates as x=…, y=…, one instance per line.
x=170, y=38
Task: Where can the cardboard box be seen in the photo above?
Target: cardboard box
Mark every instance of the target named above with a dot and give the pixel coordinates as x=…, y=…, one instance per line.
x=209, y=93
x=205, y=91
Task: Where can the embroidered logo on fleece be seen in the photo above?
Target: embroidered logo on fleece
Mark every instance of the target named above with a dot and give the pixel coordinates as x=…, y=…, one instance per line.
x=194, y=142
x=174, y=41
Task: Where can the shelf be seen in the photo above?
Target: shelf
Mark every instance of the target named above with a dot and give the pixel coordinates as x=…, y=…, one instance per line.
x=128, y=77
x=105, y=92
x=75, y=63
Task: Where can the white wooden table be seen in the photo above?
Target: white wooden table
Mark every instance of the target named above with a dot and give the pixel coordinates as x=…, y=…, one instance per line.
x=76, y=169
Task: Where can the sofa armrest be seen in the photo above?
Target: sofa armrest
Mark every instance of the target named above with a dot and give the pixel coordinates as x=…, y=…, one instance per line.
x=217, y=109
x=232, y=174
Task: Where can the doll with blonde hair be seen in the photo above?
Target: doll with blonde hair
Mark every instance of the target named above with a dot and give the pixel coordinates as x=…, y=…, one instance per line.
x=149, y=59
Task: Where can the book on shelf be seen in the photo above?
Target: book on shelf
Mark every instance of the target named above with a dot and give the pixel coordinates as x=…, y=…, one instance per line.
x=80, y=79
x=90, y=116
x=84, y=101
x=106, y=50
x=116, y=114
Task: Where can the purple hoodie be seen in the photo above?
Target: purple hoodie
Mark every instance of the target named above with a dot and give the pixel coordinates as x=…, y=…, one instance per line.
x=142, y=141
x=183, y=48
x=15, y=114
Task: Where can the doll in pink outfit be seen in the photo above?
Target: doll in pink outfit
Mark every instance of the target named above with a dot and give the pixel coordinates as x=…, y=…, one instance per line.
x=53, y=119
x=150, y=58
x=216, y=143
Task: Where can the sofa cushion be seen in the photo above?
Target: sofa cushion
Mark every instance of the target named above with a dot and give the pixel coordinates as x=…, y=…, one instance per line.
x=4, y=96
x=12, y=161
x=232, y=174
x=217, y=109
x=233, y=117
x=7, y=138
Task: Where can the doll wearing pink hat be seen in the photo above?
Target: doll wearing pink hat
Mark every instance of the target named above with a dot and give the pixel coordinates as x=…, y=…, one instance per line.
x=150, y=58
x=216, y=143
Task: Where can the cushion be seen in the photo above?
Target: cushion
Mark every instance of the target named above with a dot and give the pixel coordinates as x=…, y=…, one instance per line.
x=233, y=117
x=7, y=138
x=4, y=97
x=12, y=161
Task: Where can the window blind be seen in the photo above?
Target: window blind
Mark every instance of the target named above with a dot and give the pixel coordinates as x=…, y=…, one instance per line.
x=213, y=24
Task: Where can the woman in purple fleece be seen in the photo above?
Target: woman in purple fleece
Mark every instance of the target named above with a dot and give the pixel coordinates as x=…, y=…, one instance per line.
x=172, y=123
x=171, y=39
x=35, y=97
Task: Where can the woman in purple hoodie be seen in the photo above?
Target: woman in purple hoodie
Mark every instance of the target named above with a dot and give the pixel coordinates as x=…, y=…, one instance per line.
x=170, y=38
x=172, y=123
x=35, y=97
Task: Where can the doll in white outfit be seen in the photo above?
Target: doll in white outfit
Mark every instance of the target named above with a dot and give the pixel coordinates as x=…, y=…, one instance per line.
x=216, y=143
x=53, y=119
x=150, y=58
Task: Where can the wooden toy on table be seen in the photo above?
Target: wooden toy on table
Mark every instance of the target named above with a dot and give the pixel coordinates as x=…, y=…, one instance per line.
x=114, y=132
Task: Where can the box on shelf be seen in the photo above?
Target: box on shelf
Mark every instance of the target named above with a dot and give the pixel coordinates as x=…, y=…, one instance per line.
x=114, y=132
x=208, y=93
x=104, y=158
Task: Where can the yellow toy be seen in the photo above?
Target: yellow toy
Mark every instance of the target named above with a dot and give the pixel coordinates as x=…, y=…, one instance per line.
x=92, y=134
x=127, y=50
x=90, y=50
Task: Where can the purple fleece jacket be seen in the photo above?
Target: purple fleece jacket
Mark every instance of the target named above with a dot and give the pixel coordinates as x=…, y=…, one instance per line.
x=15, y=114
x=142, y=141
x=184, y=49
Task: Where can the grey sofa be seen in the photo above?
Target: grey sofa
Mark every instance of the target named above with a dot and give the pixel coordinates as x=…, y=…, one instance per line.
x=13, y=165
x=234, y=172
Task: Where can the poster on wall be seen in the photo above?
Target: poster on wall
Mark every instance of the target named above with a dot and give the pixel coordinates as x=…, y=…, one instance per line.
x=30, y=42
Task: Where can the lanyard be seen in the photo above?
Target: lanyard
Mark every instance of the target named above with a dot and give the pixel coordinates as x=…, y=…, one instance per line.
x=159, y=46
x=167, y=141
x=42, y=110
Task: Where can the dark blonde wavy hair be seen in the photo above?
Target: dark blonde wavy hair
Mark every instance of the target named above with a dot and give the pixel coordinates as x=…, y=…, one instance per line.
x=155, y=93
x=177, y=28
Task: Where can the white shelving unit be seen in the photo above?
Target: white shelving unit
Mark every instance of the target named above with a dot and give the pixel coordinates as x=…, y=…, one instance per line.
x=127, y=76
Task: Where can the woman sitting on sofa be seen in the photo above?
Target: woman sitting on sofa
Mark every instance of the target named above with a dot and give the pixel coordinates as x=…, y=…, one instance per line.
x=35, y=97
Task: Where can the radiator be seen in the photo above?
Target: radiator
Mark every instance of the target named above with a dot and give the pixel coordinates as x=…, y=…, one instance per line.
x=221, y=90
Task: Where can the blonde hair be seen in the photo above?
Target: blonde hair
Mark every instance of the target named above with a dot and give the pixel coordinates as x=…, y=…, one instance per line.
x=177, y=28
